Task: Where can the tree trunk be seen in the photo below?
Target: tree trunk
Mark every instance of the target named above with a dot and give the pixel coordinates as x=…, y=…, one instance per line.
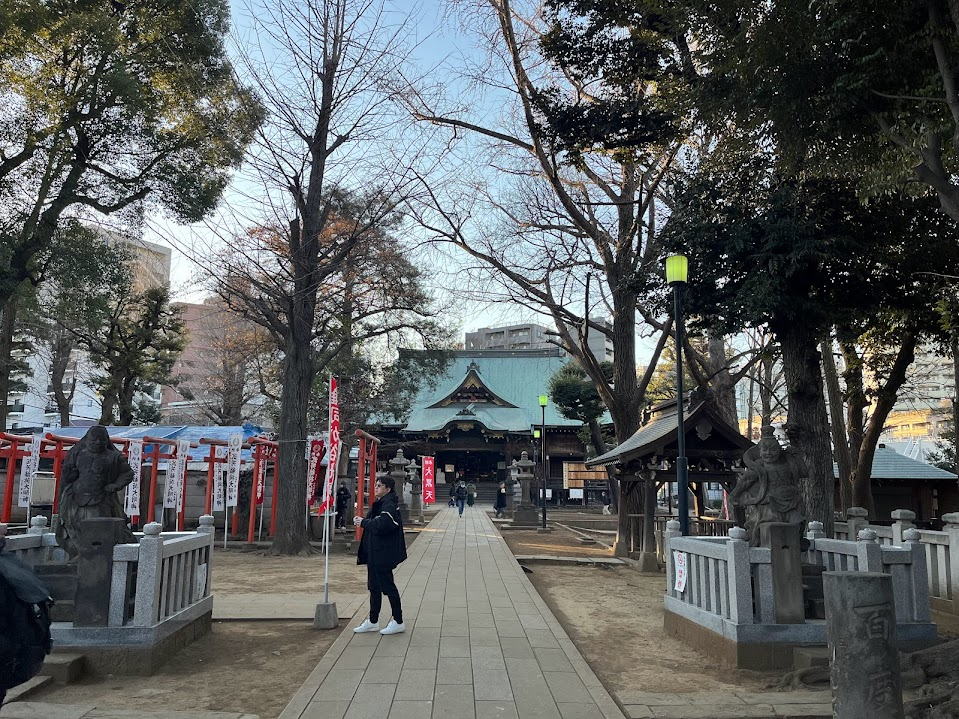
x=837, y=425
x=126, y=400
x=291, y=533
x=856, y=404
x=808, y=422
x=724, y=389
x=885, y=401
x=63, y=345
x=7, y=325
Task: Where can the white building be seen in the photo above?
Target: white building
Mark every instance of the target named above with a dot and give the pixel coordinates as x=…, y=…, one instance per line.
x=531, y=336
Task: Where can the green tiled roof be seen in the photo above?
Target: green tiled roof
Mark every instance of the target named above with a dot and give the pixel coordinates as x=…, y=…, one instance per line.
x=518, y=377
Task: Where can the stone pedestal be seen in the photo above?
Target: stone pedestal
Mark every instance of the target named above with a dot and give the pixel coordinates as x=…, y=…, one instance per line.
x=95, y=542
x=525, y=514
x=398, y=473
x=861, y=632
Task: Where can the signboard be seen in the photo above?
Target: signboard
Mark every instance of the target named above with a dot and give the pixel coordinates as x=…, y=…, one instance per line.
x=233, y=470
x=429, y=480
x=334, y=457
x=219, y=473
x=314, y=456
x=28, y=467
x=576, y=494
x=131, y=499
x=261, y=478
x=679, y=561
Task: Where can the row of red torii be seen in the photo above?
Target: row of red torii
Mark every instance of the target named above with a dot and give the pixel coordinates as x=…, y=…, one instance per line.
x=17, y=448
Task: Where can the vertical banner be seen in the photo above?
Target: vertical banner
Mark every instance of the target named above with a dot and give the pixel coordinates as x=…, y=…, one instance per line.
x=183, y=457
x=219, y=473
x=170, y=483
x=334, y=455
x=28, y=467
x=315, y=456
x=233, y=470
x=131, y=500
x=261, y=476
x=429, y=480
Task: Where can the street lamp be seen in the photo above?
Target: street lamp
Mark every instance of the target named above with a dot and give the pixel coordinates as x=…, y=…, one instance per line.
x=677, y=274
x=543, y=399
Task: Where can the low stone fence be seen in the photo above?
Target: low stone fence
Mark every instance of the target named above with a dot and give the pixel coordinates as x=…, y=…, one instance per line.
x=164, y=574
x=729, y=593
x=941, y=549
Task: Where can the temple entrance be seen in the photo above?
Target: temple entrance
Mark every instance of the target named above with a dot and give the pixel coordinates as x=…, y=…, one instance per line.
x=473, y=466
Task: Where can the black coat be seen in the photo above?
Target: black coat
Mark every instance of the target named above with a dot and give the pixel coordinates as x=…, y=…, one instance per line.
x=383, y=543
x=343, y=496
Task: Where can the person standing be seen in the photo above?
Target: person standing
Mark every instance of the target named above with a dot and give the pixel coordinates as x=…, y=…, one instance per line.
x=470, y=494
x=343, y=497
x=500, y=505
x=604, y=498
x=382, y=548
x=461, y=495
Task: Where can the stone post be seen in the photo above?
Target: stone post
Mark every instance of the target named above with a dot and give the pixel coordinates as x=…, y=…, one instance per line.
x=416, y=491
x=786, y=563
x=814, y=531
x=919, y=578
x=951, y=527
x=95, y=542
x=38, y=525
x=672, y=530
x=739, y=577
x=861, y=632
x=904, y=520
x=525, y=514
x=149, y=570
x=398, y=473
x=869, y=551
x=856, y=519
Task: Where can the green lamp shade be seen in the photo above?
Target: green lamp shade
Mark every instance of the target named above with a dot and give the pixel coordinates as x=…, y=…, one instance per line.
x=543, y=400
x=677, y=269
x=535, y=434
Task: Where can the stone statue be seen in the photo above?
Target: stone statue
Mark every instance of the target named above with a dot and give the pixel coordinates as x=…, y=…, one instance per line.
x=93, y=473
x=769, y=489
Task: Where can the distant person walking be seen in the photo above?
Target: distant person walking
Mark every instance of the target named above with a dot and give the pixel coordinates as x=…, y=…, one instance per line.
x=343, y=497
x=461, y=494
x=604, y=498
x=452, y=501
x=382, y=548
x=470, y=494
x=500, y=505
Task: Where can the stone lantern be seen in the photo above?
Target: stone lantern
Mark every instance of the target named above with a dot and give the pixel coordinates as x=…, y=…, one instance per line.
x=398, y=473
x=416, y=490
x=511, y=479
x=525, y=514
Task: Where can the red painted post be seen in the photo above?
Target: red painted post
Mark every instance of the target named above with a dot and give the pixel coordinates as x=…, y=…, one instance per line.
x=11, y=450
x=59, y=453
x=257, y=458
x=156, y=454
x=273, y=455
x=367, y=454
x=211, y=462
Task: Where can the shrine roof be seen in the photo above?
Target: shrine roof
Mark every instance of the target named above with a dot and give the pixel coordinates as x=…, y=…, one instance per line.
x=889, y=464
x=661, y=431
x=501, y=389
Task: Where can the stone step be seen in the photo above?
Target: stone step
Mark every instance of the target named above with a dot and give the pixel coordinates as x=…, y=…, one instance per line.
x=806, y=657
x=22, y=691
x=62, y=611
x=63, y=668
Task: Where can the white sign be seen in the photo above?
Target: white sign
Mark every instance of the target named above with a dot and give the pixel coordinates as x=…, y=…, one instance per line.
x=28, y=467
x=679, y=561
x=233, y=470
x=219, y=472
x=575, y=494
x=131, y=500
x=182, y=457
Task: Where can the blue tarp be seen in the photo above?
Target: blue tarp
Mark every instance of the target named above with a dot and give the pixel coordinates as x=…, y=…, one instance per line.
x=172, y=432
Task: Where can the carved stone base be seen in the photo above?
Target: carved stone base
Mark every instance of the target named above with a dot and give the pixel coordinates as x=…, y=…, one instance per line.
x=525, y=516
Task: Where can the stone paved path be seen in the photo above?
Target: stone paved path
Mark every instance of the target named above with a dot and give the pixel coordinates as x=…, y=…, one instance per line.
x=480, y=643
x=41, y=710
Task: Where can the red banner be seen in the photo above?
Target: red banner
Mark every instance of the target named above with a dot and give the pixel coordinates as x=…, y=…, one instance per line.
x=261, y=478
x=313, y=468
x=429, y=480
x=334, y=447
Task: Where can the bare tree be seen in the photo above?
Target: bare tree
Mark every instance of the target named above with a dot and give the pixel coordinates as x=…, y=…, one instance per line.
x=539, y=226
x=328, y=168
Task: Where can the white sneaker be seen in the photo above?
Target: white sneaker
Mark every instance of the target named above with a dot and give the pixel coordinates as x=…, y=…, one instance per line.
x=393, y=628
x=367, y=626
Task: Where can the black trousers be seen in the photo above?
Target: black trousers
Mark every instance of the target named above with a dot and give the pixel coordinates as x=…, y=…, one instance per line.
x=379, y=580
x=340, y=518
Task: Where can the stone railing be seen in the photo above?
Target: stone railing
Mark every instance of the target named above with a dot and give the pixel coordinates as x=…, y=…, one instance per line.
x=164, y=574
x=698, y=526
x=941, y=549
x=729, y=585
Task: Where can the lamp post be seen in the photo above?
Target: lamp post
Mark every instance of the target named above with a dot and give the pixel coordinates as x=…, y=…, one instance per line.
x=677, y=274
x=543, y=399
